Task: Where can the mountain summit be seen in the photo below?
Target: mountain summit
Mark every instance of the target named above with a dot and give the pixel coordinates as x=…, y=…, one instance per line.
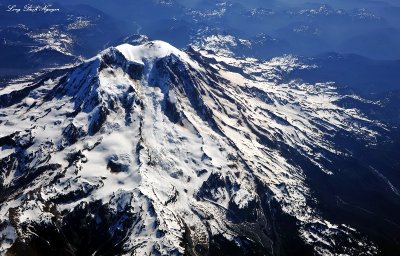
x=151, y=150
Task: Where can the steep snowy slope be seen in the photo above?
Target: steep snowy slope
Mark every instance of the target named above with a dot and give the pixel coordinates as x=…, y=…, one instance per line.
x=148, y=149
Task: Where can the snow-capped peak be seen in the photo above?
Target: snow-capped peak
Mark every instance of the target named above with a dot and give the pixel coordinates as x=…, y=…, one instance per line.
x=153, y=50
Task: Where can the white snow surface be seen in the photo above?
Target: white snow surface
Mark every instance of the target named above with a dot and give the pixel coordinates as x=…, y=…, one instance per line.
x=153, y=50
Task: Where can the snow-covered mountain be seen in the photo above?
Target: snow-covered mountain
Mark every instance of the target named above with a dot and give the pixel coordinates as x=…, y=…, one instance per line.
x=147, y=149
